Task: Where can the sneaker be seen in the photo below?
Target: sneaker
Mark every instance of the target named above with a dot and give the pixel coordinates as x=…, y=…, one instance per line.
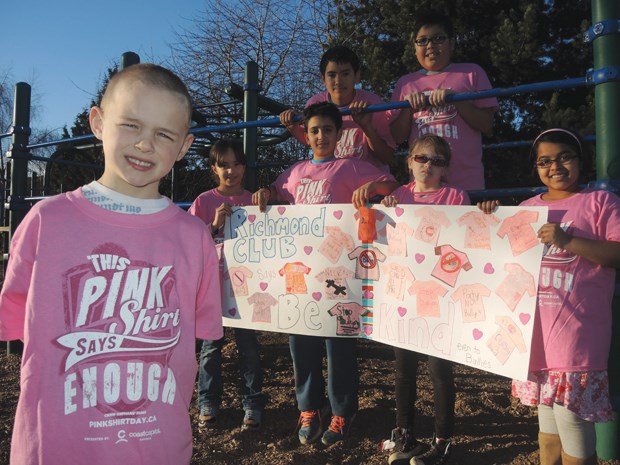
x=338, y=428
x=310, y=425
x=252, y=420
x=404, y=446
x=207, y=417
x=437, y=455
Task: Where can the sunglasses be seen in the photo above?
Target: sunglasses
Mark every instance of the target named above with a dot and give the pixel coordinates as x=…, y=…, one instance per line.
x=435, y=161
x=438, y=39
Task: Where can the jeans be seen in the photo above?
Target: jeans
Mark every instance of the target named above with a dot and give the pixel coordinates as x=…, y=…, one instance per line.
x=406, y=390
x=210, y=385
x=342, y=375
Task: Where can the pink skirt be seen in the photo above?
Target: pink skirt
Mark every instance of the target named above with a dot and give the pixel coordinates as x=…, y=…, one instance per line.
x=585, y=393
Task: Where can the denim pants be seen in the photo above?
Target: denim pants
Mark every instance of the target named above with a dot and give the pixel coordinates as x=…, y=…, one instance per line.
x=210, y=385
x=342, y=375
x=444, y=391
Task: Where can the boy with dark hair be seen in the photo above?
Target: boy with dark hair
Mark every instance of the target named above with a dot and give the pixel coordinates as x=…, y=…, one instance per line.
x=365, y=136
x=461, y=123
x=109, y=286
x=325, y=179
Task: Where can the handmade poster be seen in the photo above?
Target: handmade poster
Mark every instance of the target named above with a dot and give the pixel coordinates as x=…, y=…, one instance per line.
x=447, y=281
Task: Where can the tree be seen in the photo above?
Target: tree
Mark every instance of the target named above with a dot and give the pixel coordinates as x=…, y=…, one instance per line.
x=525, y=42
x=285, y=39
x=37, y=135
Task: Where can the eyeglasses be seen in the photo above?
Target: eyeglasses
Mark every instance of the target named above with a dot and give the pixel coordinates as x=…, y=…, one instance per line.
x=435, y=161
x=438, y=39
x=562, y=159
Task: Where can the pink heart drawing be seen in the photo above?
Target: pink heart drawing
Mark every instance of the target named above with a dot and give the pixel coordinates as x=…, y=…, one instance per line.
x=419, y=257
x=524, y=317
x=317, y=296
x=368, y=294
x=263, y=286
x=251, y=218
x=281, y=210
x=368, y=330
x=308, y=249
x=402, y=311
x=232, y=311
x=338, y=214
x=488, y=269
x=399, y=211
x=477, y=334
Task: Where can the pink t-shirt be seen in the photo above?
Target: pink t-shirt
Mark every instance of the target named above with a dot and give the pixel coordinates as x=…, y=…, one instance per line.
x=520, y=232
x=109, y=307
x=445, y=195
x=329, y=182
x=516, y=283
x=572, y=329
x=450, y=264
x=206, y=203
x=466, y=170
x=347, y=318
x=204, y=208
x=353, y=143
x=367, y=262
x=427, y=297
x=477, y=229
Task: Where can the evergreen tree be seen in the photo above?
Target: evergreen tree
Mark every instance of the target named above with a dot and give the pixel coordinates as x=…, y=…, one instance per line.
x=530, y=41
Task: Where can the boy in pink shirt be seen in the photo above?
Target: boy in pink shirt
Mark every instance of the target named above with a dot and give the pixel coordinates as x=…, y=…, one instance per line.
x=365, y=136
x=325, y=179
x=106, y=297
x=462, y=123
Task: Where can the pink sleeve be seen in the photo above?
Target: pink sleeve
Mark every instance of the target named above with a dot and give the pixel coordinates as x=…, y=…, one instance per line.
x=209, y=298
x=610, y=217
x=317, y=98
x=481, y=82
x=17, y=280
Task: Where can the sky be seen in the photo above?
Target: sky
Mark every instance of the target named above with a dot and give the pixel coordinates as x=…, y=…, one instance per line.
x=63, y=48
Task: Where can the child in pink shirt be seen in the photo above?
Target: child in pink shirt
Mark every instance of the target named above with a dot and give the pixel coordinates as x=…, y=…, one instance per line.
x=109, y=301
x=462, y=123
x=428, y=161
x=365, y=136
x=228, y=167
x=568, y=378
x=325, y=179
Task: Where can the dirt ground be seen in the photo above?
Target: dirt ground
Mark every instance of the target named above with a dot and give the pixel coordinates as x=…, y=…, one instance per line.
x=492, y=427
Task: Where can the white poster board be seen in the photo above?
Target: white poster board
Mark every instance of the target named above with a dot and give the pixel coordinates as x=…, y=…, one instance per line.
x=447, y=281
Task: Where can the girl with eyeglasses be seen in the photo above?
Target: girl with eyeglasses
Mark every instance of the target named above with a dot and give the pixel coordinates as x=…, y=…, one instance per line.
x=568, y=378
x=428, y=161
x=461, y=123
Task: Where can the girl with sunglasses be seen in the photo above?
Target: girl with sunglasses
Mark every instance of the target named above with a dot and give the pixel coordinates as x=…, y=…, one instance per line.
x=428, y=161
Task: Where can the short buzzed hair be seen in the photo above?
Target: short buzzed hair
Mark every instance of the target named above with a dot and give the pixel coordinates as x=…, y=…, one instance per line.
x=151, y=74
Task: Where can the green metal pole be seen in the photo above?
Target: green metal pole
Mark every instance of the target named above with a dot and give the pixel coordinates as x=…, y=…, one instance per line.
x=19, y=168
x=250, y=113
x=607, y=111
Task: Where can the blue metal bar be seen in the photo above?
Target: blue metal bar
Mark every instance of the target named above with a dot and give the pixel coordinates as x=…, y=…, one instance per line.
x=592, y=78
x=61, y=141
